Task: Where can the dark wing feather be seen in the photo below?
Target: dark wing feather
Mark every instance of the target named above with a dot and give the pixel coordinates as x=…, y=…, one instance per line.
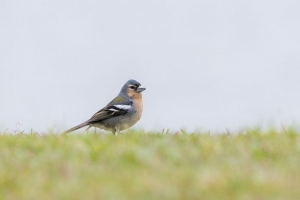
x=110, y=110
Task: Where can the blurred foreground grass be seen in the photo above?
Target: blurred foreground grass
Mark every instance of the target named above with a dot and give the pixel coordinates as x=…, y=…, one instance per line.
x=252, y=165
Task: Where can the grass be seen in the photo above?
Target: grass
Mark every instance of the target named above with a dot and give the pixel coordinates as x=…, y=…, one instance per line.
x=248, y=165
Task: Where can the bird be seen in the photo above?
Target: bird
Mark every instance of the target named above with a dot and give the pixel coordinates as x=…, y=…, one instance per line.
x=120, y=113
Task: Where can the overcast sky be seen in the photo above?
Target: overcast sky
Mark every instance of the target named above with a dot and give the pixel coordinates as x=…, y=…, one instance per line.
x=207, y=65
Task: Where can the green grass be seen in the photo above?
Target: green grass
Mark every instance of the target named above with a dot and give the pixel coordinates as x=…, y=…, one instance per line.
x=249, y=165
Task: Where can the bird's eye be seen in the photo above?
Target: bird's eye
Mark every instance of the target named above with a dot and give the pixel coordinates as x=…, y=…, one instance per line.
x=132, y=87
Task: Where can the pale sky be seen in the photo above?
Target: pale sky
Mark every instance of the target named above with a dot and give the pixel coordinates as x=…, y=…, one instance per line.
x=207, y=65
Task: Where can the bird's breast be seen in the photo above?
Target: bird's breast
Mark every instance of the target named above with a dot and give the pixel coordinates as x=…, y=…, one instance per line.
x=138, y=103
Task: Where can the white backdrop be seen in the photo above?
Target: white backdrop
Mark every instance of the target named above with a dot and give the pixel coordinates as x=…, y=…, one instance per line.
x=205, y=64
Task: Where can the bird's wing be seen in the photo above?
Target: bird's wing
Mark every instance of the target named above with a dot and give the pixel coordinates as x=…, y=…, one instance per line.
x=118, y=106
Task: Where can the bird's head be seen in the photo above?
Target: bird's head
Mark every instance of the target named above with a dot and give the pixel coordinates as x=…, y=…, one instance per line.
x=132, y=89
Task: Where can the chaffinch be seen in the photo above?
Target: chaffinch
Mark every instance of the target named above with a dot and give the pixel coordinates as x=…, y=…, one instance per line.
x=119, y=114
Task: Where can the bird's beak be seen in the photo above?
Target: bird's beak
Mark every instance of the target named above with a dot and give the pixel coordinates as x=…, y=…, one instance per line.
x=140, y=89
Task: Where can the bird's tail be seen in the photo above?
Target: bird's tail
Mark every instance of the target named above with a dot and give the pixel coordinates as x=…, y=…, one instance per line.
x=76, y=127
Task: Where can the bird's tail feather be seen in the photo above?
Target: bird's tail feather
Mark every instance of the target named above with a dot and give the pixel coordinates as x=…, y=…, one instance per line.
x=76, y=127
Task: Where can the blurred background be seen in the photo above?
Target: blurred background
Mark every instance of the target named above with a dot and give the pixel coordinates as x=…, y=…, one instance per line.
x=207, y=65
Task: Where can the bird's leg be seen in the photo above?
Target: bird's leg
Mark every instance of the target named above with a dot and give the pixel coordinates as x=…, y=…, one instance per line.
x=116, y=131
x=87, y=129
